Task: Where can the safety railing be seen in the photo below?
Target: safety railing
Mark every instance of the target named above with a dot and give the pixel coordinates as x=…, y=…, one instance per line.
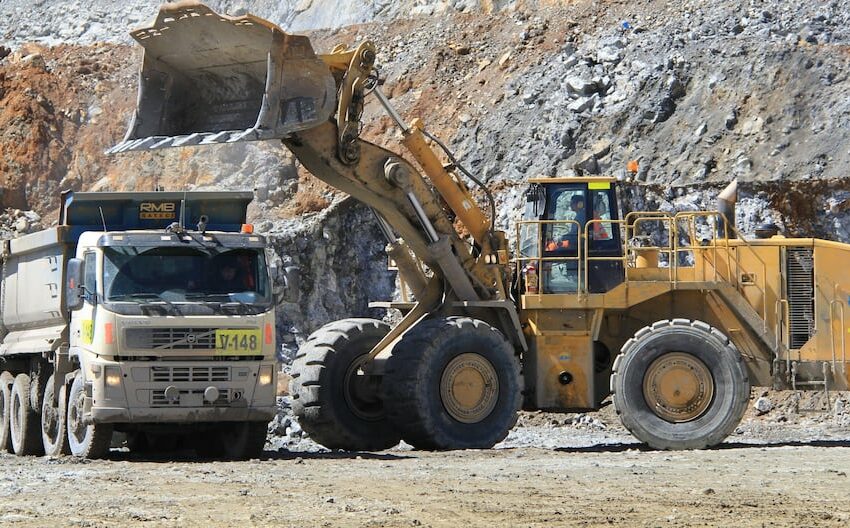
x=731, y=254
x=590, y=229
x=533, y=253
x=709, y=253
x=634, y=225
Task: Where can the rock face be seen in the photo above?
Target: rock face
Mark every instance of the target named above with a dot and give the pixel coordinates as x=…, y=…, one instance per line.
x=81, y=22
x=343, y=267
x=696, y=92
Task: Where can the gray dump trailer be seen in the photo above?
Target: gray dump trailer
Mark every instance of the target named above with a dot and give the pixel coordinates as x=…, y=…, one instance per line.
x=146, y=313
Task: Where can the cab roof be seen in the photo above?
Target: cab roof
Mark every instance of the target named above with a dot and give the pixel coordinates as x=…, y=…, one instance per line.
x=572, y=179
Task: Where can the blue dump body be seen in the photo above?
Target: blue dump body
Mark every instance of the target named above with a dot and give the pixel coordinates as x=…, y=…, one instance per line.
x=32, y=304
x=128, y=211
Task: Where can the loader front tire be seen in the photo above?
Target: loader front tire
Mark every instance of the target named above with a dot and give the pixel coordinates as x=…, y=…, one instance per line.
x=680, y=384
x=335, y=402
x=453, y=383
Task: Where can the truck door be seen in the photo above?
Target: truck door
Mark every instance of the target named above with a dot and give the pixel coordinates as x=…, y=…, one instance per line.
x=83, y=320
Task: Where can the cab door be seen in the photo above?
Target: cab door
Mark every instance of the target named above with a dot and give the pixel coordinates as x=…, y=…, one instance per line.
x=604, y=238
x=569, y=208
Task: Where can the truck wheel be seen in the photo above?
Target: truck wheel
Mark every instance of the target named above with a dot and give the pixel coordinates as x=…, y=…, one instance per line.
x=87, y=440
x=53, y=435
x=453, y=383
x=335, y=403
x=241, y=441
x=680, y=384
x=24, y=423
x=6, y=381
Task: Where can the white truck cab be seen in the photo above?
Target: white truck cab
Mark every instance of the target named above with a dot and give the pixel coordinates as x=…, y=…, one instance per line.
x=167, y=323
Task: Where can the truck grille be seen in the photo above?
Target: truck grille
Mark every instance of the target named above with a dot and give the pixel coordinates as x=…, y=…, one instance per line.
x=170, y=338
x=158, y=398
x=190, y=374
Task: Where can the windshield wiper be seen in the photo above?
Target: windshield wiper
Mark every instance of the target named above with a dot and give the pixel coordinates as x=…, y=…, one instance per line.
x=133, y=297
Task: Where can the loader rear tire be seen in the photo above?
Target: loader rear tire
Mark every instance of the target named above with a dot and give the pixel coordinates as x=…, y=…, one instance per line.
x=6, y=381
x=453, y=383
x=334, y=401
x=87, y=440
x=680, y=384
x=25, y=425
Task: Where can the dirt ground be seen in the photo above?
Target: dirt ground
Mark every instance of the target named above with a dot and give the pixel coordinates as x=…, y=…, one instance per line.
x=779, y=469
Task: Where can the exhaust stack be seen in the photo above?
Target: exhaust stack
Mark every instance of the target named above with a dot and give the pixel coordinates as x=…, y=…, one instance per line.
x=726, y=206
x=210, y=78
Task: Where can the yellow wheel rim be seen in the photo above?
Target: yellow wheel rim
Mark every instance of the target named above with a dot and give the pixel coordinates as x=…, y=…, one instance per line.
x=678, y=387
x=469, y=388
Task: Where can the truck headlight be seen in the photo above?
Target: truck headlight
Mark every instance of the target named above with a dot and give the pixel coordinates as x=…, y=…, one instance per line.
x=266, y=375
x=112, y=383
x=113, y=377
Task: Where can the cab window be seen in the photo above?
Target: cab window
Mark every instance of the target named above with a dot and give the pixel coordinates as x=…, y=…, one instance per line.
x=564, y=203
x=600, y=231
x=90, y=275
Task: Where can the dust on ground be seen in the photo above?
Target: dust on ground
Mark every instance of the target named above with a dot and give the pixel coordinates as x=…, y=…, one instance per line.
x=783, y=467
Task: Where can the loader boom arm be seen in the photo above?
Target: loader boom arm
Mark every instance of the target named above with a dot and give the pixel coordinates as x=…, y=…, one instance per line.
x=209, y=78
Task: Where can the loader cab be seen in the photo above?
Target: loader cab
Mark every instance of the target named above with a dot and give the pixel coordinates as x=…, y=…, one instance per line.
x=577, y=228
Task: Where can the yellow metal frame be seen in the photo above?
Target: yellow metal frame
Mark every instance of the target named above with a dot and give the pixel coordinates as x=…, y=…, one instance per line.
x=540, y=259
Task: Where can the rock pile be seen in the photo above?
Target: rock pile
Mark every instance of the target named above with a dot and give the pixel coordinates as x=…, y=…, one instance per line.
x=14, y=223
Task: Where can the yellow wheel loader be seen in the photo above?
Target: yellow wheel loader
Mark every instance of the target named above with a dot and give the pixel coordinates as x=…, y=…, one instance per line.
x=675, y=315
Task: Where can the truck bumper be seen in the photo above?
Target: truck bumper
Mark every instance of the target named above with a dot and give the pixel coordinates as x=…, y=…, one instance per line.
x=181, y=392
x=182, y=415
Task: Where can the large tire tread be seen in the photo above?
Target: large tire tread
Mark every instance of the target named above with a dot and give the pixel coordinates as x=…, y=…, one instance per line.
x=407, y=398
x=314, y=398
x=655, y=437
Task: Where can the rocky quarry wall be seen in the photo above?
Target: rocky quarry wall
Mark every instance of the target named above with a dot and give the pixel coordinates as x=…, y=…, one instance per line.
x=697, y=92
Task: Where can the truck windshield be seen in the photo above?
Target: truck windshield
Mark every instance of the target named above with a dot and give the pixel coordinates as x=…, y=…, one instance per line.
x=141, y=274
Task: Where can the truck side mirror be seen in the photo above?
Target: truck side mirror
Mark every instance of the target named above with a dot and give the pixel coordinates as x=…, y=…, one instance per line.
x=74, y=284
x=287, y=284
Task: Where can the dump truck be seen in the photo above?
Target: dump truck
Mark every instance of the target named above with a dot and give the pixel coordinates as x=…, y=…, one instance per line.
x=148, y=313
x=673, y=316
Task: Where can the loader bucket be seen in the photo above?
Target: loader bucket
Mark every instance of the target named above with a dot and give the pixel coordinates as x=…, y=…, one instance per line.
x=209, y=78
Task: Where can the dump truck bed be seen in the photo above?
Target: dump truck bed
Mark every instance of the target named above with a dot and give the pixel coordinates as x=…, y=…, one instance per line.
x=33, y=314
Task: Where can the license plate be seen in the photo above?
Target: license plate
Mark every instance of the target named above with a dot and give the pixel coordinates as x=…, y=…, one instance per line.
x=237, y=342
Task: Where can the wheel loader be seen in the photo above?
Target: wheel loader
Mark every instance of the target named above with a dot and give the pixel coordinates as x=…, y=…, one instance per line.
x=673, y=316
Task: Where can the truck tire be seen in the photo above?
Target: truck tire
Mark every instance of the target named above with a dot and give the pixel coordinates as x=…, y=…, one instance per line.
x=54, y=438
x=680, y=384
x=6, y=381
x=24, y=423
x=86, y=440
x=453, y=383
x=334, y=403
